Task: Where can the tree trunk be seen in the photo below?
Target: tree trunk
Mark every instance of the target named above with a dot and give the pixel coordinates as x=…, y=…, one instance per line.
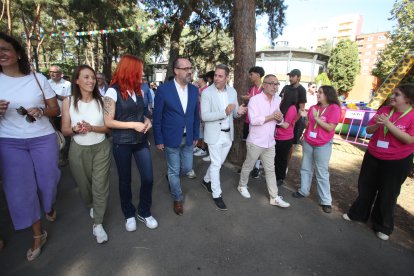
x=244, y=16
x=176, y=35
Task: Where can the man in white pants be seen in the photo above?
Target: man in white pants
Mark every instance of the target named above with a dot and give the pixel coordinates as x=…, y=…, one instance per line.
x=218, y=108
x=264, y=115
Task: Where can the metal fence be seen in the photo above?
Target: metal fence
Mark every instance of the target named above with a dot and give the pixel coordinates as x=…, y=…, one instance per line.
x=353, y=126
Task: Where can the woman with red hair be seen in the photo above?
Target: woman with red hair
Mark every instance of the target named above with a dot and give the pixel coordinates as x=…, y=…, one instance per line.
x=124, y=114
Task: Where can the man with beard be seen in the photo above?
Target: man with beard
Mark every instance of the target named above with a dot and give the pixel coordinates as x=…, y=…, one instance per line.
x=176, y=126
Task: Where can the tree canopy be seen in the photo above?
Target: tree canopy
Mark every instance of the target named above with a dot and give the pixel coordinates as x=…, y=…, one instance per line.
x=343, y=65
x=402, y=39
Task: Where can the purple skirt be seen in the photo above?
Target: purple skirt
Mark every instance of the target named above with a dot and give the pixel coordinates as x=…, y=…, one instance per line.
x=30, y=172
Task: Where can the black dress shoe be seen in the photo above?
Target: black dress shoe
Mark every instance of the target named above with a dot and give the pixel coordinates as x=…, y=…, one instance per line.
x=327, y=208
x=207, y=186
x=298, y=195
x=220, y=203
x=254, y=173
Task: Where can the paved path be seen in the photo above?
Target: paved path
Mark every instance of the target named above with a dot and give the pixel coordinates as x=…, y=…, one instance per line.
x=251, y=238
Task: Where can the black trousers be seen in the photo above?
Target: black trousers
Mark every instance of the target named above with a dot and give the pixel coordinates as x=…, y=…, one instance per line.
x=298, y=130
x=379, y=186
x=281, y=158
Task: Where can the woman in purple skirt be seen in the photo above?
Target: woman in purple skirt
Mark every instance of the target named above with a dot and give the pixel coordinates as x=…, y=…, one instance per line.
x=28, y=144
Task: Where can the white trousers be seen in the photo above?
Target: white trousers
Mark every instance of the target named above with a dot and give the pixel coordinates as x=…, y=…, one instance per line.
x=218, y=153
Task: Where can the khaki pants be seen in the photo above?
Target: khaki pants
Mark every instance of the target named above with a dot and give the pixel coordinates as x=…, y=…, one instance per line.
x=267, y=156
x=90, y=169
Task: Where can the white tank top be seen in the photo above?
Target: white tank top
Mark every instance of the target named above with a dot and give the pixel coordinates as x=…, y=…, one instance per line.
x=90, y=113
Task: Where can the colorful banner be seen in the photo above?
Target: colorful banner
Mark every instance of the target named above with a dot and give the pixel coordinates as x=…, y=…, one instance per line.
x=97, y=32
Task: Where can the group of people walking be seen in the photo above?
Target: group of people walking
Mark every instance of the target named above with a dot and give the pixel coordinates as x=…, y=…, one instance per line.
x=28, y=140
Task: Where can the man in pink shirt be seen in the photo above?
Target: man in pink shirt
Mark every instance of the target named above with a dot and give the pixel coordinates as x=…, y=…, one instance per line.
x=264, y=115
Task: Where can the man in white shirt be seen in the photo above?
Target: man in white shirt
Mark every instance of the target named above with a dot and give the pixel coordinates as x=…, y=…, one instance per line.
x=62, y=89
x=219, y=107
x=102, y=85
x=311, y=96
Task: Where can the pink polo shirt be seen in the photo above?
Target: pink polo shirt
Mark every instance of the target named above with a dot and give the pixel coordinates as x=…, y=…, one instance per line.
x=283, y=134
x=261, y=134
x=396, y=149
x=331, y=115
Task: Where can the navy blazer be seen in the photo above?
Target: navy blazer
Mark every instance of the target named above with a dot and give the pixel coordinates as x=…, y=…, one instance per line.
x=169, y=119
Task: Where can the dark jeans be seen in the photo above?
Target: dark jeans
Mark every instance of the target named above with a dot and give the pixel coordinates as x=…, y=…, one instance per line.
x=245, y=130
x=379, y=184
x=142, y=156
x=281, y=158
x=298, y=130
x=65, y=150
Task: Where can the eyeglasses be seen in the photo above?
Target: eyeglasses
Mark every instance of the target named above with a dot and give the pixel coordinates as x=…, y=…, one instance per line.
x=273, y=83
x=22, y=111
x=53, y=72
x=187, y=69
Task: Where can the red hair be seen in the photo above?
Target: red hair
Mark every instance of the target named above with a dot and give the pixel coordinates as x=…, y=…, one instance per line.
x=128, y=75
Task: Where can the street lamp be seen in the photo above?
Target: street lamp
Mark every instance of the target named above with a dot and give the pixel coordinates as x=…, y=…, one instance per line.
x=35, y=42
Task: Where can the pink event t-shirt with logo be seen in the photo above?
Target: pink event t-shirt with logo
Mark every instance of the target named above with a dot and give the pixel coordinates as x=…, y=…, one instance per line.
x=254, y=90
x=283, y=134
x=331, y=115
x=396, y=149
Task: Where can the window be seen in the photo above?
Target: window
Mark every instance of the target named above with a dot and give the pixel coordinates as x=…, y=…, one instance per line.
x=380, y=45
x=381, y=37
x=369, y=46
x=368, y=53
x=370, y=38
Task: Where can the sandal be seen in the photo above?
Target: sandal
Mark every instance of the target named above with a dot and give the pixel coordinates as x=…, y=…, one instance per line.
x=51, y=217
x=33, y=254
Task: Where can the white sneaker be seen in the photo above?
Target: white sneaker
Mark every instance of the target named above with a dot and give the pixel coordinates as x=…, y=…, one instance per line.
x=99, y=233
x=131, y=224
x=382, y=236
x=346, y=217
x=244, y=192
x=191, y=174
x=200, y=152
x=278, y=201
x=195, y=149
x=150, y=221
x=91, y=213
x=207, y=158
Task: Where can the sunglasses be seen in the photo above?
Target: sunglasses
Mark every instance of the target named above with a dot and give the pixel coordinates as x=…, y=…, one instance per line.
x=22, y=111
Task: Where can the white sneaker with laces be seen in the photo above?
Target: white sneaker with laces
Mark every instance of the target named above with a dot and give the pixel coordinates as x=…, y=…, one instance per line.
x=244, y=192
x=91, y=213
x=382, y=236
x=195, y=149
x=191, y=174
x=99, y=233
x=150, y=221
x=131, y=224
x=207, y=158
x=200, y=152
x=278, y=201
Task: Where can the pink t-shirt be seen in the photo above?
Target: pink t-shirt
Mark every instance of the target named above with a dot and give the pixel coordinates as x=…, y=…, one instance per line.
x=284, y=134
x=254, y=90
x=330, y=114
x=395, y=148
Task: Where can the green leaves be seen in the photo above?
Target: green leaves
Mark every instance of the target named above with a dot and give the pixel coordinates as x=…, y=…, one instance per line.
x=344, y=65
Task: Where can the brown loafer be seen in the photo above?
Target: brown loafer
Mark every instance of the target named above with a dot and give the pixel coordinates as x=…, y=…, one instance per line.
x=178, y=208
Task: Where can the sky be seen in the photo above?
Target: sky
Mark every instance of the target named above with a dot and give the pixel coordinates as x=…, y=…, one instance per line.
x=302, y=13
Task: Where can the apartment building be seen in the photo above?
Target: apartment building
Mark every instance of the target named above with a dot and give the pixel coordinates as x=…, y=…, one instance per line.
x=369, y=47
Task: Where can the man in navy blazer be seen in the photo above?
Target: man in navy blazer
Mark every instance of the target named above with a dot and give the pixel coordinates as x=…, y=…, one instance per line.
x=176, y=125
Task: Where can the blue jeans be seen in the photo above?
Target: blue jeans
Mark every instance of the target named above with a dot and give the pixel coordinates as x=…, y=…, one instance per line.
x=142, y=156
x=179, y=161
x=316, y=158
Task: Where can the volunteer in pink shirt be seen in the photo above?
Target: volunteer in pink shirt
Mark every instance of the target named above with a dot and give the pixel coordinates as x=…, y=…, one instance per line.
x=317, y=146
x=386, y=163
x=264, y=114
x=284, y=135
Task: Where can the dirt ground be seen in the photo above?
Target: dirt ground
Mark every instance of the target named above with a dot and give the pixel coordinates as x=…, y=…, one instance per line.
x=344, y=169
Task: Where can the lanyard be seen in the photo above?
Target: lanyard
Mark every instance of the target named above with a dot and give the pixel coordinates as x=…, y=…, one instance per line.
x=317, y=115
x=402, y=115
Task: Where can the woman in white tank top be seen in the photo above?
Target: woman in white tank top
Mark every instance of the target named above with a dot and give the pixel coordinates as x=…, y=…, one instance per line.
x=90, y=151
